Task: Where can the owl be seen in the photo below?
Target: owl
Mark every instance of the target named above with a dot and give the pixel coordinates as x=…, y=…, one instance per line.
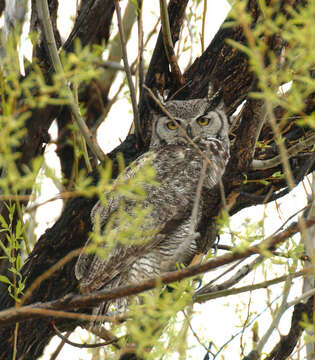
x=177, y=153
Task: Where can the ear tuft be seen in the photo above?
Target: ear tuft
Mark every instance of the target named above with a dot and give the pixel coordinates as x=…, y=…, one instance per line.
x=216, y=98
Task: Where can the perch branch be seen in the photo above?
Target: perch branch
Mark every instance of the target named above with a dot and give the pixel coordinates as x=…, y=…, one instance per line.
x=72, y=301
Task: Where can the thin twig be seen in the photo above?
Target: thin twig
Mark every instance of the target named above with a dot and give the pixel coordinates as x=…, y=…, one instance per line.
x=277, y=160
x=48, y=273
x=114, y=65
x=275, y=322
x=140, y=63
x=191, y=45
x=301, y=298
x=71, y=301
x=222, y=347
x=231, y=268
x=81, y=346
x=128, y=73
x=37, y=312
x=59, y=347
x=104, y=334
x=109, y=105
x=235, y=291
x=204, y=15
x=15, y=339
x=239, y=275
x=43, y=12
x=168, y=44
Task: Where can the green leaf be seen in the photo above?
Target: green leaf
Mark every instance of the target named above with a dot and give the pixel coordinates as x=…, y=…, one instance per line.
x=4, y=224
x=5, y=280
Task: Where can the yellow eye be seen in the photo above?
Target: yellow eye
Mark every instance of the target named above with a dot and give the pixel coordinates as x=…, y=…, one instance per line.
x=203, y=121
x=172, y=125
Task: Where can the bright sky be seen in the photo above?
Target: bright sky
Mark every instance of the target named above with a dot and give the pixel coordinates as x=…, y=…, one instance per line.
x=212, y=320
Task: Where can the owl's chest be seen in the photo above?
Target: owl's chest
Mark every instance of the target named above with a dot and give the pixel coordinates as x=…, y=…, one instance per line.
x=178, y=170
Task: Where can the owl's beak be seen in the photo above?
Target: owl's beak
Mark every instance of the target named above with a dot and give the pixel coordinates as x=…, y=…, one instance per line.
x=189, y=132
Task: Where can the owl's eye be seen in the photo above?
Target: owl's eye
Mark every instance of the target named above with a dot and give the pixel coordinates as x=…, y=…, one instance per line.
x=172, y=125
x=203, y=121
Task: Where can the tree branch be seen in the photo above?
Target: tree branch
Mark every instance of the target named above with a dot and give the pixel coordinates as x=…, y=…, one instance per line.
x=215, y=294
x=72, y=301
x=168, y=45
x=292, y=151
x=52, y=48
x=128, y=73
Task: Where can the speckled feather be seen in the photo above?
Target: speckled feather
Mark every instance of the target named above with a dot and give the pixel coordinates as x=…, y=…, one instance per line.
x=177, y=165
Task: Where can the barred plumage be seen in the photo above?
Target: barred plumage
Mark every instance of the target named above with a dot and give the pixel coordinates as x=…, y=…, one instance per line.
x=177, y=164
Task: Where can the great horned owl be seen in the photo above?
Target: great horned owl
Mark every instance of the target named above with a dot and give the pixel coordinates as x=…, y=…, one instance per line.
x=177, y=164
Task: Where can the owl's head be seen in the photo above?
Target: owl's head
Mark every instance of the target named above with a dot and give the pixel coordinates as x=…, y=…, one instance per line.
x=200, y=119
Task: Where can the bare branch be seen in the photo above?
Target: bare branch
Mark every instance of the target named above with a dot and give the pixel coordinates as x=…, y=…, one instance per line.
x=81, y=346
x=128, y=73
x=56, y=353
x=72, y=301
x=214, y=294
x=44, y=15
x=288, y=342
x=275, y=322
x=240, y=274
x=168, y=44
x=277, y=160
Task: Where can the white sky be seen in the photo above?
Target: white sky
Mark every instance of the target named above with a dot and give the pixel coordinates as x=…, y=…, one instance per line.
x=214, y=319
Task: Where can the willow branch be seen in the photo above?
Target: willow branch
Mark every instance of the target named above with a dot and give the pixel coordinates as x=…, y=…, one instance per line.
x=43, y=12
x=201, y=298
x=239, y=275
x=56, y=353
x=73, y=301
x=128, y=73
x=168, y=44
x=275, y=322
x=277, y=160
x=47, y=274
x=140, y=62
x=288, y=342
x=81, y=346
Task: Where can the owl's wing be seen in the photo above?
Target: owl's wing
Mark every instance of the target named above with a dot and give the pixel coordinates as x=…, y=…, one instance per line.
x=93, y=271
x=167, y=207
